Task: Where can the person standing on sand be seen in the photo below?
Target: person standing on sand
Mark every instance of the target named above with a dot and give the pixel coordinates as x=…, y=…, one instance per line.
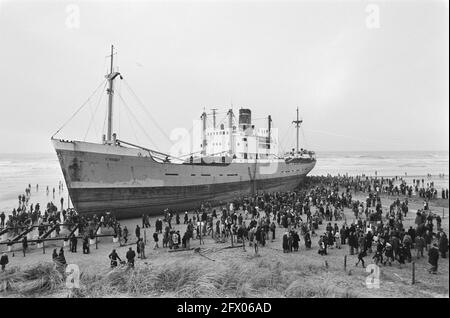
x=4, y=261
x=85, y=245
x=114, y=257
x=433, y=257
x=125, y=234
x=156, y=239
x=130, y=257
x=142, y=248
x=420, y=244
x=24, y=245
x=61, y=257
x=54, y=254
x=73, y=244
x=443, y=245
x=361, y=256
x=138, y=232
x=272, y=229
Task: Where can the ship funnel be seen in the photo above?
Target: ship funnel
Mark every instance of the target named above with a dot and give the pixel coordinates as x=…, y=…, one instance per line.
x=245, y=118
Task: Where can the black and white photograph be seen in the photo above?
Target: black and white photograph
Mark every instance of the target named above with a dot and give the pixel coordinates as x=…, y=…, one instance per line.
x=223, y=155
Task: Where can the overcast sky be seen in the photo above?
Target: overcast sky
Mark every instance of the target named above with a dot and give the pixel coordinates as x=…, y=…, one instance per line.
x=360, y=83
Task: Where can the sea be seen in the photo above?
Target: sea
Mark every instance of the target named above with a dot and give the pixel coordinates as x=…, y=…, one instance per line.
x=17, y=171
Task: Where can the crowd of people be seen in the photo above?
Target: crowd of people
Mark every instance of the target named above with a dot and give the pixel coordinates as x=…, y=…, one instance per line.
x=252, y=221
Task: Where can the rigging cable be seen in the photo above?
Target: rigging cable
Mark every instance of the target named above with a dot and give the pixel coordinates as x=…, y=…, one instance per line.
x=139, y=124
x=93, y=114
x=78, y=110
x=131, y=124
x=146, y=110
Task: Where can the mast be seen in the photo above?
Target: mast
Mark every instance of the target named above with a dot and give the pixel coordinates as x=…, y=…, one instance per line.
x=269, y=124
x=230, y=127
x=203, y=118
x=297, y=126
x=214, y=117
x=111, y=76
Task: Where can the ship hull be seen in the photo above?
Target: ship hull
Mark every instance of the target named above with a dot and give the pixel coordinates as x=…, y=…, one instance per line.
x=133, y=202
x=128, y=183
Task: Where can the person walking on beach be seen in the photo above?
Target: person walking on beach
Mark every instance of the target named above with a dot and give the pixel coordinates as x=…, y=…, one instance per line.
x=433, y=257
x=138, y=232
x=420, y=245
x=125, y=234
x=61, y=257
x=156, y=239
x=272, y=229
x=4, y=261
x=85, y=245
x=130, y=257
x=24, y=245
x=361, y=256
x=114, y=257
x=73, y=244
x=141, y=246
x=443, y=245
x=54, y=255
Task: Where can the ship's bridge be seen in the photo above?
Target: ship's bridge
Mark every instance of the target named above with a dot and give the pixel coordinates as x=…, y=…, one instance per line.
x=240, y=141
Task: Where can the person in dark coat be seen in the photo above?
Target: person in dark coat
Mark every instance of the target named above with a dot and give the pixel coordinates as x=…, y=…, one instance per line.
x=24, y=245
x=130, y=257
x=433, y=257
x=443, y=245
x=125, y=234
x=307, y=240
x=85, y=245
x=295, y=241
x=272, y=229
x=73, y=244
x=361, y=255
x=114, y=257
x=61, y=257
x=286, y=242
x=401, y=256
x=54, y=254
x=4, y=261
x=156, y=239
x=138, y=232
x=378, y=257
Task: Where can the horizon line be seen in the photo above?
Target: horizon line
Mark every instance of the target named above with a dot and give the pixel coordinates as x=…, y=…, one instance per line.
x=317, y=151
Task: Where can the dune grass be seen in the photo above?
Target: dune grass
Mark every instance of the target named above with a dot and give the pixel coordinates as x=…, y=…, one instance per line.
x=261, y=278
x=32, y=281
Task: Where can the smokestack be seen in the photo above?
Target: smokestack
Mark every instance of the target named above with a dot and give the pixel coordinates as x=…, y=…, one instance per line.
x=245, y=118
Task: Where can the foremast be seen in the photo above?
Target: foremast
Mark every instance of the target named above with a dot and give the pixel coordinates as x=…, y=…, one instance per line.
x=110, y=91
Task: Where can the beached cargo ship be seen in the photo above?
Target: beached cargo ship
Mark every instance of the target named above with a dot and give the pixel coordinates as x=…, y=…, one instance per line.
x=235, y=159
